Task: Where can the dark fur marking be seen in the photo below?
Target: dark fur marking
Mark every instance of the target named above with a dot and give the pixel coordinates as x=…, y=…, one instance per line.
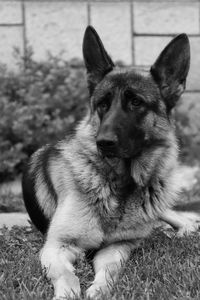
x=35, y=212
x=89, y=159
x=151, y=196
x=90, y=254
x=78, y=181
x=161, y=182
x=144, y=207
x=50, y=153
x=29, y=193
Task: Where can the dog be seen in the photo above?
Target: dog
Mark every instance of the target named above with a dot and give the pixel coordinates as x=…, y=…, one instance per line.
x=106, y=186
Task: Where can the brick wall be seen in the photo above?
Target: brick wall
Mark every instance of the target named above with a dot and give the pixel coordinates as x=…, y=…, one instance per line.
x=132, y=31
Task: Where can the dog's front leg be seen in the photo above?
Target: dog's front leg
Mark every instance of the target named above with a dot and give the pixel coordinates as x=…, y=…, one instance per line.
x=184, y=219
x=107, y=265
x=57, y=259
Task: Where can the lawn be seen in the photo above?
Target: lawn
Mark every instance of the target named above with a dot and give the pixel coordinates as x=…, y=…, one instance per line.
x=162, y=268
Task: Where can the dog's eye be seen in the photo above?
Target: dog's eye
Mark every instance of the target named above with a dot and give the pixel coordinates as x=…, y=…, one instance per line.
x=133, y=103
x=132, y=99
x=104, y=104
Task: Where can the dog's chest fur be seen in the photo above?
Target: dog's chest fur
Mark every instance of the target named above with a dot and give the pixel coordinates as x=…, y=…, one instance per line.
x=120, y=208
x=113, y=200
x=107, y=204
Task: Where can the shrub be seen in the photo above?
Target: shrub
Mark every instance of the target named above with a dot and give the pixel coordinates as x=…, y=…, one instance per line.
x=188, y=128
x=38, y=105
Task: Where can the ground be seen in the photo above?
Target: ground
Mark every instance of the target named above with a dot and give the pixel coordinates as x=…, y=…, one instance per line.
x=163, y=268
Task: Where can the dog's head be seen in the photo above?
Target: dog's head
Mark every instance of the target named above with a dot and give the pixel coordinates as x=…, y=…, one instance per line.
x=133, y=107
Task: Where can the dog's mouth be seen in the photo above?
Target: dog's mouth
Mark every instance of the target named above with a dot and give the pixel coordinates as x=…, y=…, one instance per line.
x=119, y=154
x=107, y=150
x=111, y=151
x=109, y=154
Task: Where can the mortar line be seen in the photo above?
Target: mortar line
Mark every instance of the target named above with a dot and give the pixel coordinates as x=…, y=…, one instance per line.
x=132, y=33
x=11, y=25
x=199, y=16
x=89, y=12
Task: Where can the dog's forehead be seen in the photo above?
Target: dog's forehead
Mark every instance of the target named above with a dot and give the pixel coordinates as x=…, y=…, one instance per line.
x=130, y=77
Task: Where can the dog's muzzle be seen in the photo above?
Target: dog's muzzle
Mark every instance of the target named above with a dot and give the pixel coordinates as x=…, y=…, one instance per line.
x=107, y=145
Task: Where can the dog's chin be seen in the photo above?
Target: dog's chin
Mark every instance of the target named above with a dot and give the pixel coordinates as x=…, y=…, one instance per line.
x=120, y=154
x=115, y=162
x=112, y=158
x=110, y=155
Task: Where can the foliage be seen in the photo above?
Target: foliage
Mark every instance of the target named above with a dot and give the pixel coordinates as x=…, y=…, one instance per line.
x=38, y=105
x=188, y=128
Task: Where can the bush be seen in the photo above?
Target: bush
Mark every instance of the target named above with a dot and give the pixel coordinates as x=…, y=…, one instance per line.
x=38, y=105
x=188, y=128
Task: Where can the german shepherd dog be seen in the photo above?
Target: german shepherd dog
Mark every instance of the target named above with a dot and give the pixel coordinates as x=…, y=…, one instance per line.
x=106, y=186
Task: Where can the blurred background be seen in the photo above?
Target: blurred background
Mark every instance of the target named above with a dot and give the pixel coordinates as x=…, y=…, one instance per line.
x=42, y=78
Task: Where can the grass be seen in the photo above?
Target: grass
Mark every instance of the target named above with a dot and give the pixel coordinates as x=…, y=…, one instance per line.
x=163, y=268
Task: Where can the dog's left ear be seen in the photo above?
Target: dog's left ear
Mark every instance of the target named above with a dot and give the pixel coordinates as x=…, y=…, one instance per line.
x=171, y=68
x=97, y=61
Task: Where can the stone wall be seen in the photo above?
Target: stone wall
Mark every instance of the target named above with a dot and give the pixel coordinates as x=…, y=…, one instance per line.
x=132, y=31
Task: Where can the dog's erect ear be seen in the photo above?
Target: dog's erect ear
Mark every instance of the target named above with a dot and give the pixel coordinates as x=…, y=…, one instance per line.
x=97, y=61
x=171, y=68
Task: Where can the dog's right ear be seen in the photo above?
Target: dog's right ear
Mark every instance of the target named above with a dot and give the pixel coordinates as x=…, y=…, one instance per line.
x=97, y=61
x=171, y=68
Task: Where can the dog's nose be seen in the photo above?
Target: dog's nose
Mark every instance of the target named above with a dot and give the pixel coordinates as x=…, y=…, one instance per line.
x=107, y=142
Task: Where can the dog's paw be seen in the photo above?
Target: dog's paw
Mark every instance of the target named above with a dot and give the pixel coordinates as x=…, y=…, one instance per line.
x=95, y=292
x=184, y=222
x=186, y=231
x=64, y=290
x=192, y=224
x=66, y=294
